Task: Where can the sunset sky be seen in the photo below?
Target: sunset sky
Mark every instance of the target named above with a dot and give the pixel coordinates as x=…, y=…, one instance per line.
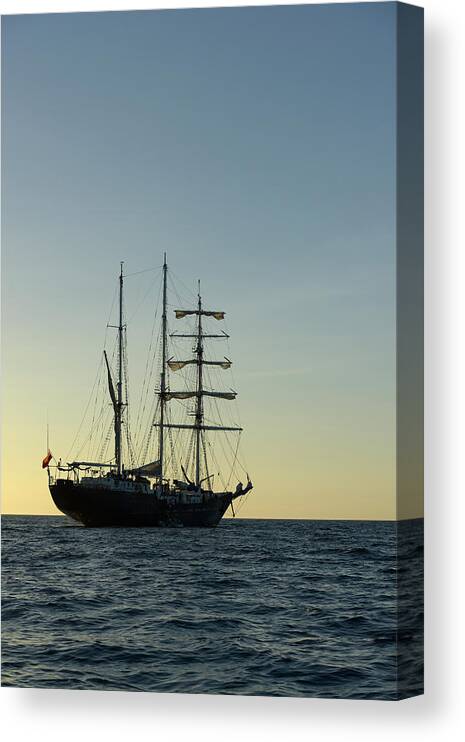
x=256, y=146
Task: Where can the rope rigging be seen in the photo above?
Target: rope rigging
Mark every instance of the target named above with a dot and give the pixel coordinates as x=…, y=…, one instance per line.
x=138, y=426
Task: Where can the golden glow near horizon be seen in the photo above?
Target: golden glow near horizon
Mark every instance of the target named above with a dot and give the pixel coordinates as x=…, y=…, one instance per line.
x=329, y=452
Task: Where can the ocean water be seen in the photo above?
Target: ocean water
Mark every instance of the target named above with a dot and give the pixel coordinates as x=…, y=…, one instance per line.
x=280, y=608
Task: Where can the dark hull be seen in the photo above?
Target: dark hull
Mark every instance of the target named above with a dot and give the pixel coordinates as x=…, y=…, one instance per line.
x=96, y=507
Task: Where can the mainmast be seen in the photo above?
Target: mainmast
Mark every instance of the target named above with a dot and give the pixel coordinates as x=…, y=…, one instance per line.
x=199, y=404
x=119, y=385
x=163, y=375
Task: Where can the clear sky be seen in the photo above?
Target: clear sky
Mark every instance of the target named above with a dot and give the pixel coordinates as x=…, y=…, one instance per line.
x=257, y=147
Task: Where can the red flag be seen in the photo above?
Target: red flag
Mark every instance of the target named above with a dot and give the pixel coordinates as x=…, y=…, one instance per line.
x=47, y=459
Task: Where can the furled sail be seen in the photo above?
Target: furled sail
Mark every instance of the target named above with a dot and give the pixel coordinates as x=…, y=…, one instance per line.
x=110, y=383
x=223, y=364
x=179, y=395
x=189, y=395
x=153, y=469
x=221, y=395
x=180, y=313
x=202, y=335
x=177, y=365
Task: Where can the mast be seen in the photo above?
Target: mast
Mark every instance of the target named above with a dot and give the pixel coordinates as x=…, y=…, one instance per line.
x=199, y=405
x=119, y=385
x=199, y=392
x=163, y=375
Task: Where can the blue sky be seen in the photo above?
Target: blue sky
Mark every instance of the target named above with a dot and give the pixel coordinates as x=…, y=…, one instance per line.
x=257, y=147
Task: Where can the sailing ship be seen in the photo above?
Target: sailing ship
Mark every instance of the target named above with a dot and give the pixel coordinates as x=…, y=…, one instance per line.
x=177, y=488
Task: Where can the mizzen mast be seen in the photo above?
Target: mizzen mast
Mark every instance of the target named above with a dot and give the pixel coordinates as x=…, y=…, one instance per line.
x=117, y=398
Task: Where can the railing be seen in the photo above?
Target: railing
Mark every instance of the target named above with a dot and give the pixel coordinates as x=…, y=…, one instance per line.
x=56, y=473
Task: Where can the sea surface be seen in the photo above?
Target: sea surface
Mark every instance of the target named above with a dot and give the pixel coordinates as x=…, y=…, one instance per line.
x=252, y=607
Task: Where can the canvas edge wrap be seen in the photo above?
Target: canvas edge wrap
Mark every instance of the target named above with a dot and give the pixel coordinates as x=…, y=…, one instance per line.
x=409, y=324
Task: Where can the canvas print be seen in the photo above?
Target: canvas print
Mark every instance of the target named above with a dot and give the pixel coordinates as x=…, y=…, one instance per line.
x=213, y=345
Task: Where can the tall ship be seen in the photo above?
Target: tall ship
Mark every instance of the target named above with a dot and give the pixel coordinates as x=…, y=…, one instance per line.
x=174, y=474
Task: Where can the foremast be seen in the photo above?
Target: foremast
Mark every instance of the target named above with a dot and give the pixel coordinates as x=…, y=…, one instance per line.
x=199, y=401
x=200, y=392
x=163, y=377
